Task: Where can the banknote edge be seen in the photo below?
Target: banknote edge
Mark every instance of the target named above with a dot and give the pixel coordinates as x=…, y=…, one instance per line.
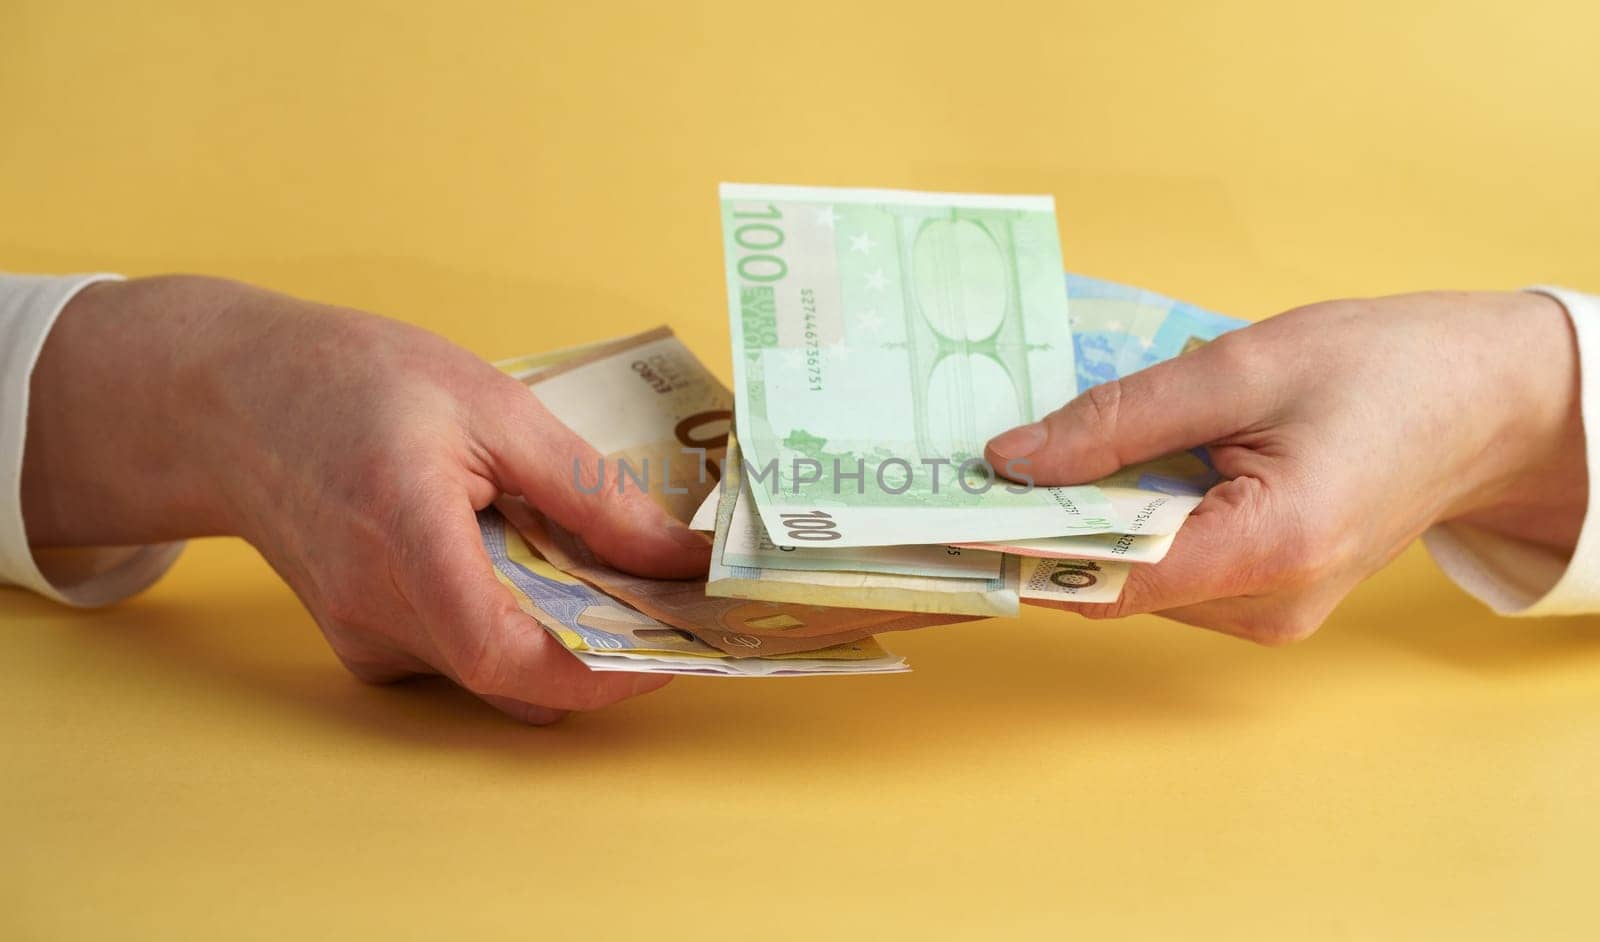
x=825, y=194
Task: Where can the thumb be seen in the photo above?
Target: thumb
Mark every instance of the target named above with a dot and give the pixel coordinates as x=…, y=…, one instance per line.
x=538, y=458
x=1192, y=400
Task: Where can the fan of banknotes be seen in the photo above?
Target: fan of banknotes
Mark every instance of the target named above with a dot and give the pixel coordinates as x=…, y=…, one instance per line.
x=880, y=339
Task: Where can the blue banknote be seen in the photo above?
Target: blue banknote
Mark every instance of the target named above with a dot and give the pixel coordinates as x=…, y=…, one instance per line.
x=1119, y=329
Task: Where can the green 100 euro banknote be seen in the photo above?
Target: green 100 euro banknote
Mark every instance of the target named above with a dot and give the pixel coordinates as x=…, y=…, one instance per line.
x=880, y=339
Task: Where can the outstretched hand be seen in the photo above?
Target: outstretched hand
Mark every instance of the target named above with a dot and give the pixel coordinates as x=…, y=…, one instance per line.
x=1343, y=430
x=352, y=451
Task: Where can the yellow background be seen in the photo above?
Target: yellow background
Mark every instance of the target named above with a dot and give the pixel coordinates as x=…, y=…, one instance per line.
x=194, y=763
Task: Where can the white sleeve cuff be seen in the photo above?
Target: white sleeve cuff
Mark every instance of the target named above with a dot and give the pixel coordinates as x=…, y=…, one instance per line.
x=1517, y=578
x=29, y=305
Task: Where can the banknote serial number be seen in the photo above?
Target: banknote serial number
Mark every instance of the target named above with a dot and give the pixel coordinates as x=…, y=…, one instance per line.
x=808, y=307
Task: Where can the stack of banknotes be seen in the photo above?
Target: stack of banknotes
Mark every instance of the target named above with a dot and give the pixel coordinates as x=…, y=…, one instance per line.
x=880, y=339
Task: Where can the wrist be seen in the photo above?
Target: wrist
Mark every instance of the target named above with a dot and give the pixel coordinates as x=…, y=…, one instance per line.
x=119, y=446
x=1533, y=480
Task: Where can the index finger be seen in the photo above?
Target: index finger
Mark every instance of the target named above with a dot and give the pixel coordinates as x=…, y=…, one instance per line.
x=1195, y=399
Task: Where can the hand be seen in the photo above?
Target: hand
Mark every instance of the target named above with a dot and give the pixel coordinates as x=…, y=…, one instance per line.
x=351, y=451
x=1344, y=430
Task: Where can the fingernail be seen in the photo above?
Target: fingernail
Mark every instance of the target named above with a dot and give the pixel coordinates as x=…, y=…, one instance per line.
x=688, y=538
x=1019, y=442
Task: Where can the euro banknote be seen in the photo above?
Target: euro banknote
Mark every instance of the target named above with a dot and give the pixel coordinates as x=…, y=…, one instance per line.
x=608, y=635
x=1115, y=547
x=705, y=516
x=881, y=338
x=1070, y=579
x=526, y=367
x=979, y=596
x=749, y=545
x=1117, y=330
x=1120, y=329
x=1085, y=581
x=632, y=399
x=737, y=626
x=656, y=415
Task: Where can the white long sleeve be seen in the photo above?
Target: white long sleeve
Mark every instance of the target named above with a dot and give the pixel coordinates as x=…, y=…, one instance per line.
x=1517, y=578
x=29, y=305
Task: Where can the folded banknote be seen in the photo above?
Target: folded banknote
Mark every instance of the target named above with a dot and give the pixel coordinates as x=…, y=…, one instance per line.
x=608, y=635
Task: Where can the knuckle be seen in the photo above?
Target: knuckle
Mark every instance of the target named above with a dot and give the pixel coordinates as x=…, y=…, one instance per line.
x=622, y=512
x=1090, y=426
x=618, y=501
x=516, y=410
x=595, y=516
x=484, y=667
x=1101, y=405
x=1333, y=307
x=1241, y=355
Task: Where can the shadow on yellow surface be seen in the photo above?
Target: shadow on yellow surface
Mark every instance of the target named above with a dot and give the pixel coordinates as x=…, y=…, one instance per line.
x=255, y=651
x=1090, y=765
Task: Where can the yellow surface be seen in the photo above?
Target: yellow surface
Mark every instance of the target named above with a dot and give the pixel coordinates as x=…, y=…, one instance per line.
x=194, y=764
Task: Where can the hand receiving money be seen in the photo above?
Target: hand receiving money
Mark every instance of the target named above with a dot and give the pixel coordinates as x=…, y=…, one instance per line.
x=352, y=451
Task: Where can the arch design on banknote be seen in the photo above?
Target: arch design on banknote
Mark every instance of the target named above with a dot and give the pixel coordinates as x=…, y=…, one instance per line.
x=962, y=307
